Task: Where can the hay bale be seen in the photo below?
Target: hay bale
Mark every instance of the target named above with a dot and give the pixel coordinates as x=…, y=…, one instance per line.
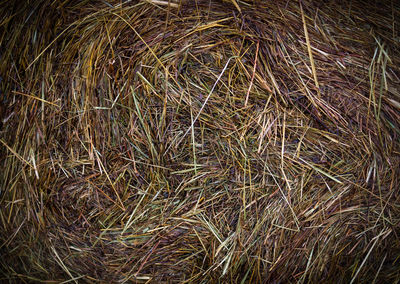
x=200, y=141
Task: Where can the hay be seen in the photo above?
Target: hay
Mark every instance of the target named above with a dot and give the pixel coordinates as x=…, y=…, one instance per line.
x=200, y=141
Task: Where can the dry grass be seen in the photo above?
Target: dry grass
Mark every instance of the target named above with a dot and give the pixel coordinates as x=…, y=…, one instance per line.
x=200, y=141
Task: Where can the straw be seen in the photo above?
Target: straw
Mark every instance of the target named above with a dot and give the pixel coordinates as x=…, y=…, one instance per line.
x=199, y=141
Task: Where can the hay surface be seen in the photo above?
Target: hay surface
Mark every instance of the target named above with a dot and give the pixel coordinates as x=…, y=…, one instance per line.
x=201, y=141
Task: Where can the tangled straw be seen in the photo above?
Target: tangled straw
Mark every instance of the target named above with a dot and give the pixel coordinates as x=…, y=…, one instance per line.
x=199, y=141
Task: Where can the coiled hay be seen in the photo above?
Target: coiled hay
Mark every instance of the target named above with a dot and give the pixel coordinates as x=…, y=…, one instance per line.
x=200, y=141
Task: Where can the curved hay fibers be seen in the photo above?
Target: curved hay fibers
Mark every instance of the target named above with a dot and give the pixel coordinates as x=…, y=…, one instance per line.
x=193, y=142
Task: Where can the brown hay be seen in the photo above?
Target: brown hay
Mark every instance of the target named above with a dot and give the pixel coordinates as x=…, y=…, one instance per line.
x=200, y=141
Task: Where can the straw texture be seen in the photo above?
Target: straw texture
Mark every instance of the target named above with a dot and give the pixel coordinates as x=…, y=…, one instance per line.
x=200, y=141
